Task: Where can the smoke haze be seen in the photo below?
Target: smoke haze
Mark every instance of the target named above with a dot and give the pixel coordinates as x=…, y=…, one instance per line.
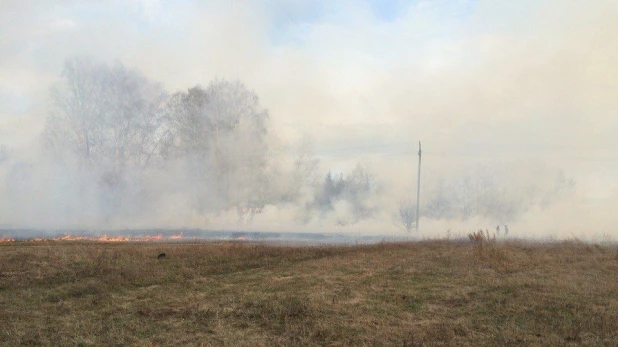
x=514, y=102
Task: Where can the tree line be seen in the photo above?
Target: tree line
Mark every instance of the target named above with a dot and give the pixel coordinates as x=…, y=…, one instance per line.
x=122, y=143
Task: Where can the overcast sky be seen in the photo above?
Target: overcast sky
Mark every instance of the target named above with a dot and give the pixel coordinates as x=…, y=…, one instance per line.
x=534, y=81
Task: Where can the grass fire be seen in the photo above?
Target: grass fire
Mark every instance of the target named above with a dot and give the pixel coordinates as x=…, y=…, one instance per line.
x=308, y=173
x=103, y=238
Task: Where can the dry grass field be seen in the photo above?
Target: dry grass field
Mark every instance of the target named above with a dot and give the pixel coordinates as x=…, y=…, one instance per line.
x=452, y=293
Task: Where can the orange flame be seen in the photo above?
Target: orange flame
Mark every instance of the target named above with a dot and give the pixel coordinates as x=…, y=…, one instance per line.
x=4, y=239
x=105, y=238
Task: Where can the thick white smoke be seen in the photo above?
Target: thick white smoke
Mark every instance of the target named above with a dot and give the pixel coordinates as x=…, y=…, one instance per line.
x=512, y=101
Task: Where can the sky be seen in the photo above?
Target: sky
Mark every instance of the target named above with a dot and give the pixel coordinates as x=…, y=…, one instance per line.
x=524, y=83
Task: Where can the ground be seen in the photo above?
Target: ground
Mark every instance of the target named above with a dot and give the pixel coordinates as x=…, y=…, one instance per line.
x=241, y=294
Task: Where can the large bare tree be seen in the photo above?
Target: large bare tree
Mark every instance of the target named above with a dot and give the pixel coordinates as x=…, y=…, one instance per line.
x=106, y=117
x=223, y=130
x=304, y=168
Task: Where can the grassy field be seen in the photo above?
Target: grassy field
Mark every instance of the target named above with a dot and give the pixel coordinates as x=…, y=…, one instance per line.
x=235, y=294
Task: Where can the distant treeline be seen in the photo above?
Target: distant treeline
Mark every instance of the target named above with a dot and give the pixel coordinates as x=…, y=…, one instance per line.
x=119, y=146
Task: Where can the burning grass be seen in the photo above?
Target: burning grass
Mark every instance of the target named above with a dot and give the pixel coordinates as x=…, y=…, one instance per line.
x=105, y=238
x=434, y=292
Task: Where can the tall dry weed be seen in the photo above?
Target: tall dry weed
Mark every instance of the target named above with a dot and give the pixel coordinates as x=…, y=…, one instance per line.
x=487, y=248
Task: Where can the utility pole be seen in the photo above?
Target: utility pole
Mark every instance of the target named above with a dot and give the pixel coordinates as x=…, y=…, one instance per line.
x=418, y=187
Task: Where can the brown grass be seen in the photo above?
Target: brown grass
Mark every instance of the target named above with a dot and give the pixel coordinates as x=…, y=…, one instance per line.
x=425, y=293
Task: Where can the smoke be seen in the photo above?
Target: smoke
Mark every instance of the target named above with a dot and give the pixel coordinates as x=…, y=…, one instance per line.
x=514, y=102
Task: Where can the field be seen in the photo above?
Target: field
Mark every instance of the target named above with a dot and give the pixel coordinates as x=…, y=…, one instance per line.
x=241, y=294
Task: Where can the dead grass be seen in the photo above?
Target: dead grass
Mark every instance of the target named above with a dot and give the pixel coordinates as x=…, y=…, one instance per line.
x=428, y=293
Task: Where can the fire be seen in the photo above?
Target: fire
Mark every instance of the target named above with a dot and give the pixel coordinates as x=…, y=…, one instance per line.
x=105, y=238
x=4, y=239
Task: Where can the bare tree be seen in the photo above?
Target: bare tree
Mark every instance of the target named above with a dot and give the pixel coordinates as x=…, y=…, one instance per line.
x=191, y=124
x=74, y=126
x=360, y=188
x=106, y=116
x=240, y=146
x=108, y=124
x=304, y=167
x=405, y=219
x=223, y=130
